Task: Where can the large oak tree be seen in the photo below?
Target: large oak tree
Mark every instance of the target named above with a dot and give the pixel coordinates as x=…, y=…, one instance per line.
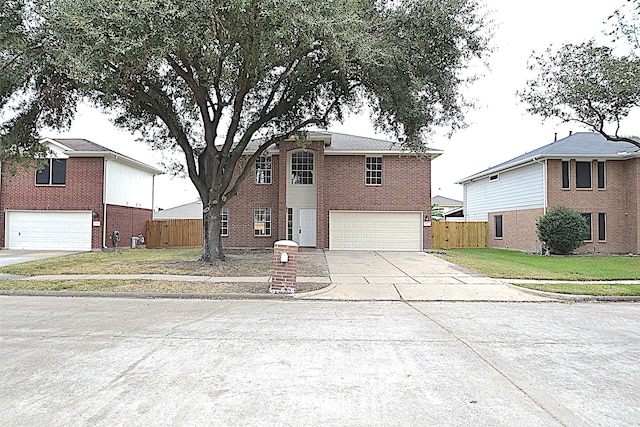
x=588, y=83
x=205, y=77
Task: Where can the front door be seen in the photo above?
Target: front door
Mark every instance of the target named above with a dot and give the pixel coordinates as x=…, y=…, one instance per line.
x=307, y=227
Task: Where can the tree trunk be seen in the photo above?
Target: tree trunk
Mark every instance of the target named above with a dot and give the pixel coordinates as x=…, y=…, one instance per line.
x=211, y=241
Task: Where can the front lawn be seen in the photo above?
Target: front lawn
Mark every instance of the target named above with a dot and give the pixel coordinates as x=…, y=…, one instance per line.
x=508, y=264
x=239, y=263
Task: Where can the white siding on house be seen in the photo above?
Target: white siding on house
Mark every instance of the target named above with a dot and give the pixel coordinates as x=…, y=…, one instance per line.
x=128, y=186
x=517, y=189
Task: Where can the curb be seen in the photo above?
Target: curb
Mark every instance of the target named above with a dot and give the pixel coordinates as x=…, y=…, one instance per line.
x=577, y=298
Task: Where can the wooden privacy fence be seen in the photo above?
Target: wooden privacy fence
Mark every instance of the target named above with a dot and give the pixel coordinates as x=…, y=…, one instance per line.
x=450, y=235
x=169, y=233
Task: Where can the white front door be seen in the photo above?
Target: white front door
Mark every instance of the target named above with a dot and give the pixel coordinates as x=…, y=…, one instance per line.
x=307, y=227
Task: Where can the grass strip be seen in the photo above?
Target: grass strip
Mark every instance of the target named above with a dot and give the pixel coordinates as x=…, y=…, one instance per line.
x=518, y=265
x=147, y=286
x=591, y=289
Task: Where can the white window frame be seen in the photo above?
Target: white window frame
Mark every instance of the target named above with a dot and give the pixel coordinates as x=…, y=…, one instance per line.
x=50, y=178
x=373, y=171
x=264, y=167
x=262, y=222
x=224, y=222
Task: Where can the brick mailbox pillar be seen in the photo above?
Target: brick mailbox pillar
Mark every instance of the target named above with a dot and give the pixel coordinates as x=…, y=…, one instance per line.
x=285, y=267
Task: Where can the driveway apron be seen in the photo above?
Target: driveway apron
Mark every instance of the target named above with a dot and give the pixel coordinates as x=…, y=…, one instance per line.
x=411, y=276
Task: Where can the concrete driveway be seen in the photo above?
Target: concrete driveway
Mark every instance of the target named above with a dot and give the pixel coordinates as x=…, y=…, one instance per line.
x=14, y=256
x=410, y=276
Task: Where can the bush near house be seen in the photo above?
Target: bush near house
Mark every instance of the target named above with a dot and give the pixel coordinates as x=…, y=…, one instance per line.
x=562, y=229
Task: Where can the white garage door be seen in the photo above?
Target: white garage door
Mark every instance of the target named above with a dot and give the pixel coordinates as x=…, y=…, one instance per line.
x=49, y=230
x=385, y=231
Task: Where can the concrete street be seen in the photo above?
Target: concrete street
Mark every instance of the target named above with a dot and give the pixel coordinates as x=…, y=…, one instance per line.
x=108, y=361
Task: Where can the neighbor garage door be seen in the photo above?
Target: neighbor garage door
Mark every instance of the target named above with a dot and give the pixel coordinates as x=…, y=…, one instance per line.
x=385, y=231
x=49, y=230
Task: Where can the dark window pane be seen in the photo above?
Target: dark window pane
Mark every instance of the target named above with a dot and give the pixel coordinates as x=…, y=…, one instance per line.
x=587, y=218
x=498, y=221
x=42, y=176
x=602, y=227
x=601, y=175
x=565, y=174
x=59, y=174
x=583, y=174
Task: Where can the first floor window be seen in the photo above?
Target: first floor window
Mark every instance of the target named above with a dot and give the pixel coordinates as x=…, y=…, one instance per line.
x=54, y=172
x=498, y=226
x=587, y=217
x=224, y=222
x=602, y=227
x=289, y=223
x=373, y=171
x=262, y=222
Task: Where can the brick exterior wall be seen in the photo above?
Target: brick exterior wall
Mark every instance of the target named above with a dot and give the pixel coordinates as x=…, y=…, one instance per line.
x=129, y=221
x=619, y=201
x=250, y=196
x=518, y=230
x=82, y=192
x=406, y=186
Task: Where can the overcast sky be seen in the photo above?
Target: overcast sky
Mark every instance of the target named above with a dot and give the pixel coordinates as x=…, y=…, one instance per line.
x=499, y=128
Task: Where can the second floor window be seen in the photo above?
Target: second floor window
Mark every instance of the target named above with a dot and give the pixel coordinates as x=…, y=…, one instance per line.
x=583, y=174
x=373, y=171
x=263, y=170
x=54, y=172
x=302, y=167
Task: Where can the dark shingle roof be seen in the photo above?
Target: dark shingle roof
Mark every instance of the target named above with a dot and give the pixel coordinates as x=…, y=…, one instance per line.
x=581, y=144
x=78, y=145
x=340, y=142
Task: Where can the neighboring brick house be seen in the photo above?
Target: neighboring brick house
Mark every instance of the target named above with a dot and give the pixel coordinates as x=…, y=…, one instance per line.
x=83, y=194
x=583, y=171
x=339, y=192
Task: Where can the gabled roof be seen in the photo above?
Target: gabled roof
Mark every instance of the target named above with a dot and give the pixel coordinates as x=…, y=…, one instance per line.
x=75, y=147
x=445, y=201
x=581, y=145
x=340, y=143
x=189, y=211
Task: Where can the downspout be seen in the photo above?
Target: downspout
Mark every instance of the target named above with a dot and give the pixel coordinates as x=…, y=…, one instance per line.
x=104, y=205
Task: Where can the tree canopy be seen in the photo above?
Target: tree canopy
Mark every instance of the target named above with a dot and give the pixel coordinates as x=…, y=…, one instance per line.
x=206, y=77
x=588, y=83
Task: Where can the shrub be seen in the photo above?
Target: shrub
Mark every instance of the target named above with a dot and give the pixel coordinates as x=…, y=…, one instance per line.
x=563, y=230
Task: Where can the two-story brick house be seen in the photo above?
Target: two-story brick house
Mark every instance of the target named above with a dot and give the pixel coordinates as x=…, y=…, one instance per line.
x=81, y=196
x=583, y=171
x=339, y=192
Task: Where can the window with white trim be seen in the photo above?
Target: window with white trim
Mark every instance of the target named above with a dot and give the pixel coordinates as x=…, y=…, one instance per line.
x=263, y=170
x=262, y=221
x=224, y=221
x=373, y=171
x=498, y=226
x=587, y=217
x=565, y=174
x=583, y=175
x=602, y=227
x=302, y=167
x=54, y=172
x=602, y=175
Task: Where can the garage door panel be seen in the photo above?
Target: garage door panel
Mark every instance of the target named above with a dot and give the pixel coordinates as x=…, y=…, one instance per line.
x=49, y=230
x=361, y=230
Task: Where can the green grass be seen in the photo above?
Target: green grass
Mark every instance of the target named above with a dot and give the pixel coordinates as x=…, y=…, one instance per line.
x=587, y=288
x=517, y=265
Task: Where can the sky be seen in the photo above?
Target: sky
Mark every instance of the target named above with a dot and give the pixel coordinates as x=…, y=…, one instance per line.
x=499, y=126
